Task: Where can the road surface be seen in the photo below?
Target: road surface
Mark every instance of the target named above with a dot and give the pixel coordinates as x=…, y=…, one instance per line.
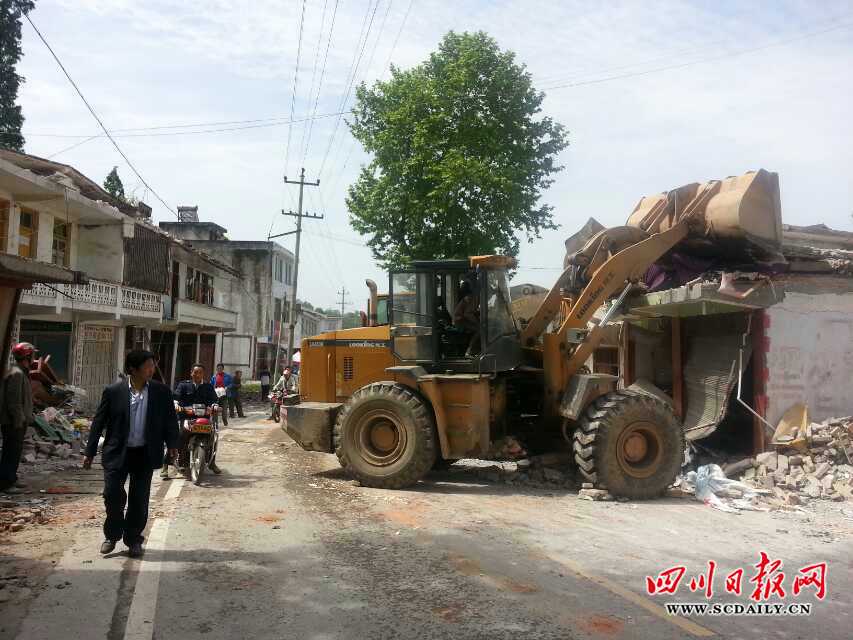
x=284, y=545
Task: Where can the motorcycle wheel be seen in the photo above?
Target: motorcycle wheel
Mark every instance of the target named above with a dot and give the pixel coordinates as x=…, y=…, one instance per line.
x=197, y=463
x=276, y=412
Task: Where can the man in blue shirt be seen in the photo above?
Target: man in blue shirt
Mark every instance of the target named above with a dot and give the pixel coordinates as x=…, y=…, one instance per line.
x=222, y=380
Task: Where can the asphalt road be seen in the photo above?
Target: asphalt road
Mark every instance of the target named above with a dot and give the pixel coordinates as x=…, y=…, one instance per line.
x=283, y=545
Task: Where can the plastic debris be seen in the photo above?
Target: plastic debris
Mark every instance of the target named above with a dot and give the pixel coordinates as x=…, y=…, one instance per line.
x=712, y=487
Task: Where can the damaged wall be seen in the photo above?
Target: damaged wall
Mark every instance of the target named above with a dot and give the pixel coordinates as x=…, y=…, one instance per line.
x=810, y=349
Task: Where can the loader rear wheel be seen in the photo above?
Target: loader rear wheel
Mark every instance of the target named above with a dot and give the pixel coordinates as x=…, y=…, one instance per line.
x=385, y=436
x=630, y=443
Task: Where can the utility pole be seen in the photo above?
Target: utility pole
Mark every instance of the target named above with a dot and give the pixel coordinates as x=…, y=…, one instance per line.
x=343, y=294
x=298, y=215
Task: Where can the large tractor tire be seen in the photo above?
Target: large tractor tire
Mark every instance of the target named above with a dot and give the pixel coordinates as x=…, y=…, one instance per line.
x=631, y=443
x=385, y=436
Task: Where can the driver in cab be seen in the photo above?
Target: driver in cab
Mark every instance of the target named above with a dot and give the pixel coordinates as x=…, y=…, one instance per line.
x=466, y=316
x=188, y=393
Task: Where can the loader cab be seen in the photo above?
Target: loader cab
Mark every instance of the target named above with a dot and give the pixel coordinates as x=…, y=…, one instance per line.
x=422, y=300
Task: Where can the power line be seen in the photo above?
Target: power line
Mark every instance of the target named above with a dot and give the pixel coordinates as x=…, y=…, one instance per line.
x=580, y=73
x=363, y=79
x=266, y=123
x=320, y=85
x=292, y=109
x=330, y=248
x=73, y=146
x=314, y=74
x=352, y=141
x=385, y=69
x=682, y=65
x=351, y=79
x=397, y=39
x=295, y=83
x=97, y=119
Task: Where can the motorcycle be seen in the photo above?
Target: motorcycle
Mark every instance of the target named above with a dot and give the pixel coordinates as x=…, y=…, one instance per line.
x=279, y=398
x=202, y=440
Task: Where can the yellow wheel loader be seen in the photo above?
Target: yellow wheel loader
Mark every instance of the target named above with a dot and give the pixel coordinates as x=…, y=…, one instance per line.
x=393, y=401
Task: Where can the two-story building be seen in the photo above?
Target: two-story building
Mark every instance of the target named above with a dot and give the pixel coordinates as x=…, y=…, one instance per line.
x=137, y=293
x=266, y=276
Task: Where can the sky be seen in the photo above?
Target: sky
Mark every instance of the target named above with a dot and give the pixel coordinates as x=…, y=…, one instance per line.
x=654, y=95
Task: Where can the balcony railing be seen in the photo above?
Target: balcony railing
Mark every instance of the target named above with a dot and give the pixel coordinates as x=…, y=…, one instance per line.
x=105, y=297
x=202, y=315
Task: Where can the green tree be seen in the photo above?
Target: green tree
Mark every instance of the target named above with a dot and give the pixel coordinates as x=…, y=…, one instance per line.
x=460, y=153
x=114, y=186
x=11, y=117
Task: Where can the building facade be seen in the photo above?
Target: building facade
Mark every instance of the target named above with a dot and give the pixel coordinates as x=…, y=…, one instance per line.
x=52, y=214
x=266, y=284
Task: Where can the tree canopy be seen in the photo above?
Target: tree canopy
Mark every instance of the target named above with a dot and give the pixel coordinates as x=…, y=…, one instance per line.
x=114, y=186
x=460, y=152
x=11, y=116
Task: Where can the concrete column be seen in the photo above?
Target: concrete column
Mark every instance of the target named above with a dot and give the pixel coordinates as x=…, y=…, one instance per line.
x=677, y=369
x=197, y=347
x=118, y=348
x=44, y=240
x=174, y=359
x=14, y=228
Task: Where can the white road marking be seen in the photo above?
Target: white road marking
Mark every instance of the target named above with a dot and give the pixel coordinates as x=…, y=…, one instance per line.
x=174, y=489
x=143, y=606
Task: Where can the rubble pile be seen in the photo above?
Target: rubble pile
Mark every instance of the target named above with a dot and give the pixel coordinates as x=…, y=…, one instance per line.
x=16, y=514
x=54, y=435
x=546, y=470
x=814, y=463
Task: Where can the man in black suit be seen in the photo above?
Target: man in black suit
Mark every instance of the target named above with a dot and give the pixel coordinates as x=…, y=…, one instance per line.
x=137, y=418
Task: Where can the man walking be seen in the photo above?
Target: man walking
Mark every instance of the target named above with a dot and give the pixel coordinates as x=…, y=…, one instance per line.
x=264, y=376
x=16, y=414
x=137, y=418
x=235, y=403
x=221, y=381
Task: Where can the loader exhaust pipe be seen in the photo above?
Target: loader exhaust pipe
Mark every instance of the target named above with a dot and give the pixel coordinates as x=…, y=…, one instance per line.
x=372, y=317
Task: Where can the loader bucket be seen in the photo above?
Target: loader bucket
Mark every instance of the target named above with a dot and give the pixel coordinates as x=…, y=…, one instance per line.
x=737, y=217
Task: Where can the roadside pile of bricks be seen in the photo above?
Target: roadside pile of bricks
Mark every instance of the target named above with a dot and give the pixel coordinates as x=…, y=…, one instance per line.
x=37, y=450
x=815, y=464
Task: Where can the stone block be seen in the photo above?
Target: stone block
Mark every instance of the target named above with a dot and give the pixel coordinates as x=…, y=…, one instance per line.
x=821, y=470
x=768, y=459
x=594, y=494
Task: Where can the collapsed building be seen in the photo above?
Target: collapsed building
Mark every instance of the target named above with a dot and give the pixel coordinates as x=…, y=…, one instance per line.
x=735, y=342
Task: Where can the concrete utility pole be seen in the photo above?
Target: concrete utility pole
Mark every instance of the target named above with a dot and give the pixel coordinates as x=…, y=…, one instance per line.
x=343, y=294
x=298, y=215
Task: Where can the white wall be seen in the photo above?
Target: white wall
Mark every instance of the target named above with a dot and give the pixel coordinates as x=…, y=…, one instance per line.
x=236, y=353
x=100, y=252
x=810, y=355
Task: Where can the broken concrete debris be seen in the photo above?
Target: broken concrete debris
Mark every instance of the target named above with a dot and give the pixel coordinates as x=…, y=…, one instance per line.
x=17, y=514
x=595, y=494
x=814, y=462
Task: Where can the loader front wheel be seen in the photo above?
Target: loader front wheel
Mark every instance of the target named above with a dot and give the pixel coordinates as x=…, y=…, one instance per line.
x=631, y=443
x=385, y=436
